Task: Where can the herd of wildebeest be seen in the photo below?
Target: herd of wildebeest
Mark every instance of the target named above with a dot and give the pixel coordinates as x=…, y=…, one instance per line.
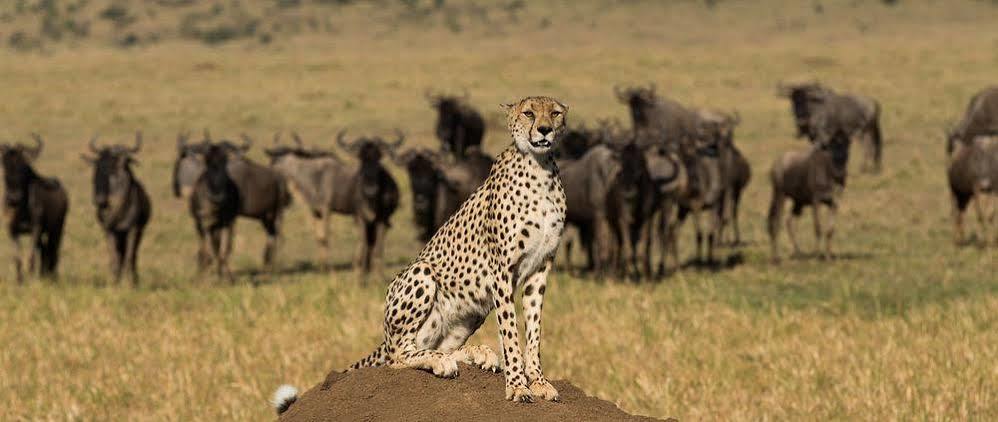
x=629, y=189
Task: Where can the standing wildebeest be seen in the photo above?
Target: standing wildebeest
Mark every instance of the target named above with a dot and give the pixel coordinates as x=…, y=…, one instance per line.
x=439, y=188
x=631, y=203
x=657, y=119
x=818, y=110
x=123, y=207
x=214, y=203
x=809, y=178
x=459, y=125
x=701, y=195
x=263, y=194
x=32, y=204
x=587, y=183
x=329, y=185
x=981, y=117
x=735, y=170
x=973, y=176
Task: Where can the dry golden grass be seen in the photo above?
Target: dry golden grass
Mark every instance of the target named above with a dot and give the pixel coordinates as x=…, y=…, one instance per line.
x=904, y=327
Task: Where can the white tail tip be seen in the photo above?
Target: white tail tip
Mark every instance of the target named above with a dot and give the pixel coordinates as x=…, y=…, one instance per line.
x=283, y=398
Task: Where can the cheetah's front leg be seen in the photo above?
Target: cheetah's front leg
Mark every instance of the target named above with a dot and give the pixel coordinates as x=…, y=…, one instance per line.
x=509, y=340
x=533, y=302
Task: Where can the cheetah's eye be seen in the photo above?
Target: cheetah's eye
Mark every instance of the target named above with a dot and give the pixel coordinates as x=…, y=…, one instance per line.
x=529, y=114
x=555, y=113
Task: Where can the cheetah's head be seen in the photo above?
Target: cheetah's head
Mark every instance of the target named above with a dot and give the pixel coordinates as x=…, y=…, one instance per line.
x=535, y=123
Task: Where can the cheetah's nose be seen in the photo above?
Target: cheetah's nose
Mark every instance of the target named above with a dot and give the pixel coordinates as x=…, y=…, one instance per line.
x=544, y=130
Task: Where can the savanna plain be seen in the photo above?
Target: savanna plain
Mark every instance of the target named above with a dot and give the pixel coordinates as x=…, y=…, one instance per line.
x=902, y=326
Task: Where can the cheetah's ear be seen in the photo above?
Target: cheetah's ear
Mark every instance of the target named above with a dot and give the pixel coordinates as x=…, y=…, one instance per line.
x=506, y=107
x=563, y=106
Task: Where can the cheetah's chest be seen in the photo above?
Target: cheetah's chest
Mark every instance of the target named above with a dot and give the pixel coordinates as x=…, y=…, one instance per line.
x=542, y=226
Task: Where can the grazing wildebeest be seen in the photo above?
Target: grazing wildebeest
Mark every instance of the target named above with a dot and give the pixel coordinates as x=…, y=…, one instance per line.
x=35, y=205
x=735, y=170
x=973, y=176
x=812, y=178
x=981, y=117
x=214, y=204
x=438, y=187
x=818, y=110
x=263, y=193
x=123, y=207
x=657, y=119
x=330, y=185
x=459, y=125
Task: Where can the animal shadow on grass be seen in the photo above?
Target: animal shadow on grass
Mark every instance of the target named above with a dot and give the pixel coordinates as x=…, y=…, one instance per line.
x=260, y=276
x=731, y=261
x=839, y=256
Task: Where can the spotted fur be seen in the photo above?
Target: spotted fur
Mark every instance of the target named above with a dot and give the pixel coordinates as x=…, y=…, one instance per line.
x=501, y=239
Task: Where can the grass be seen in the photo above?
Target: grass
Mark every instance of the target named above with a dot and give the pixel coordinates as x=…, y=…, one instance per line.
x=903, y=327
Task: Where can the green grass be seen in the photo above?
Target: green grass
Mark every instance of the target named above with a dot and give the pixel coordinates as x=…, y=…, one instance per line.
x=902, y=327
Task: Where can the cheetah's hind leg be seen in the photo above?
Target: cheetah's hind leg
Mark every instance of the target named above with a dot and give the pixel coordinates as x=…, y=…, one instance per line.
x=411, y=299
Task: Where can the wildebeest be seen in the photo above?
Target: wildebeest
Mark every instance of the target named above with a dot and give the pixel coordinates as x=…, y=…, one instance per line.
x=700, y=196
x=734, y=167
x=973, y=176
x=329, y=185
x=35, y=205
x=263, y=193
x=631, y=203
x=980, y=118
x=587, y=183
x=658, y=119
x=123, y=206
x=439, y=187
x=819, y=110
x=459, y=125
x=814, y=177
x=214, y=204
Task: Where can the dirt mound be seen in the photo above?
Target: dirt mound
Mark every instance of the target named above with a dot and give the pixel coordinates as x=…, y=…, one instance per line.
x=385, y=394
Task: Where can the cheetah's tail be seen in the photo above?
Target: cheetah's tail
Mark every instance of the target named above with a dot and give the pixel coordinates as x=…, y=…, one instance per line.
x=378, y=357
x=283, y=398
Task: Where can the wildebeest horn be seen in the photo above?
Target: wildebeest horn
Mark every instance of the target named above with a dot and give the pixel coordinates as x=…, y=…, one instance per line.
x=399, y=139
x=735, y=118
x=138, y=143
x=465, y=94
x=93, y=144
x=38, y=145
x=341, y=140
x=621, y=95
x=297, y=139
x=207, y=135
x=247, y=142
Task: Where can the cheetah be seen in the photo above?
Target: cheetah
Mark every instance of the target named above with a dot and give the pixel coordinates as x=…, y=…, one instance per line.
x=503, y=237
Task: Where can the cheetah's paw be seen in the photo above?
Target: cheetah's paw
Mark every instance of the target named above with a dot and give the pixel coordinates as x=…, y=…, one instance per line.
x=543, y=389
x=445, y=367
x=485, y=358
x=519, y=394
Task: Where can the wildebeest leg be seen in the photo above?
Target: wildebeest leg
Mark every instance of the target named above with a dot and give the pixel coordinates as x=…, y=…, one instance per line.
x=270, y=225
x=361, y=252
x=625, y=251
x=829, y=229
x=35, y=262
x=18, y=258
x=713, y=233
x=601, y=243
x=203, y=256
x=791, y=227
x=736, y=199
x=567, y=246
x=132, y=240
x=773, y=223
x=586, y=240
x=698, y=228
x=378, y=249
x=224, y=246
x=959, y=207
x=320, y=224
x=818, y=233
x=115, y=244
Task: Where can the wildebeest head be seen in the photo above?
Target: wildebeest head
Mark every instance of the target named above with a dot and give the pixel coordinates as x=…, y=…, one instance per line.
x=803, y=100
x=17, y=171
x=640, y=100
x=190, y=159
x=423, y=167
x=285, y=158
x=369, y=150
x=575, y=142
x=449, y=115
x=216, y=160
x=112, y=176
